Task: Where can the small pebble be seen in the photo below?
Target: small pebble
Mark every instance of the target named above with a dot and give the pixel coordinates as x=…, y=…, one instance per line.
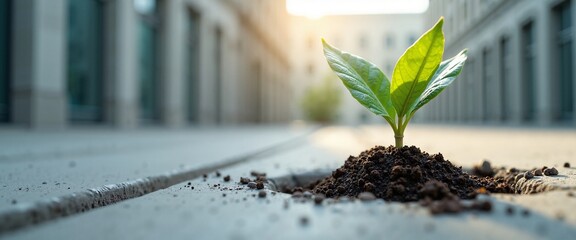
x=262, y=194
x=218, y=174
x=227, y=178
x=510, y=210
x=259, y=185
x=244, y=180
x=525, y=213
x=566, y=164
x=550, y=171
x=366, y=196
x=204, y=175
x=528, y=175
x=537, y=172
x=297, y=194
x=304, y=221
x=252, y=185
x=570, y=194
x=256, y=174
x=318, y=198
x=486, y=167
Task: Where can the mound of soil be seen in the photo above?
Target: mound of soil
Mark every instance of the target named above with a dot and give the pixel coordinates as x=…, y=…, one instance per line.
x=405, y=174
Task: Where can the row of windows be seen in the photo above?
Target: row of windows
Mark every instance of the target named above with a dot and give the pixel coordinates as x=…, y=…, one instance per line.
x=4, y=59
x=363, y=41
x=85, y=60
x=561, y=80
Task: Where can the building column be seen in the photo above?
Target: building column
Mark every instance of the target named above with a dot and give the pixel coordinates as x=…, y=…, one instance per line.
x=573, y=15
x=172, y=58
x=515, y=92
x=207, y=86
x=120, y=55
x=38, y=57
x=497, y=70
x=544, y=103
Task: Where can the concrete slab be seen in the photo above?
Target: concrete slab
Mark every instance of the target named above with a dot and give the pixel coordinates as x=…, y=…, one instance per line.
x=79, y=160
x=215, y=209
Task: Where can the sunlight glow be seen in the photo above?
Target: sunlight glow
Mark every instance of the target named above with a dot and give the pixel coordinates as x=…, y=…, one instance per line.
x=319, y=8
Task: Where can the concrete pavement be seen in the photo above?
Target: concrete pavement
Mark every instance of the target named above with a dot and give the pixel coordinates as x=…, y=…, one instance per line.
x=226, y=212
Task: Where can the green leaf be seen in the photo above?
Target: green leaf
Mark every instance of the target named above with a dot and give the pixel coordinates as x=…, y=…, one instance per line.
x=415, y=68
x=444, y=76
x=366, y=82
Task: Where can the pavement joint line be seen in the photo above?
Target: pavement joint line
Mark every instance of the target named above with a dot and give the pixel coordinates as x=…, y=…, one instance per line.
x=29, y=214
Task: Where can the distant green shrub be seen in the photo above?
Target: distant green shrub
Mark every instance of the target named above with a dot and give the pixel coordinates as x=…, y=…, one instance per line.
x=321, y=101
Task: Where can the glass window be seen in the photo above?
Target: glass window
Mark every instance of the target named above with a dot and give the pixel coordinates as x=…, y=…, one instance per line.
x=389, y=41
x=147, y=54
x=564, y=54
x=193, y=67
x=218, y=76
x=486, y=83
x=4, y=59
x=528, y=71
x=84, y=67
x=505, y=77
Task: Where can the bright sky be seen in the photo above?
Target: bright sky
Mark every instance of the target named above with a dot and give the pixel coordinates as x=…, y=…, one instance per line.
x=319, y=8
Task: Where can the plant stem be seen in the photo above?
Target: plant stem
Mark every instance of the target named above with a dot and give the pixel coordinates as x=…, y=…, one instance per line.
x=399, y=133
x=399, y=140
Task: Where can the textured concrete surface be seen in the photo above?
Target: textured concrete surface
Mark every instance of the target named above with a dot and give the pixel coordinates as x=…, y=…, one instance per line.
x=79, y=160
x=231, y=211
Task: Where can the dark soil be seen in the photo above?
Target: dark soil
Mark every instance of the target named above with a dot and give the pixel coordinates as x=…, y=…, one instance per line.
x=406, y=174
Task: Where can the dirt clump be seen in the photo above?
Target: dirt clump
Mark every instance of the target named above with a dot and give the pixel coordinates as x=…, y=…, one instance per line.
x=405, y=175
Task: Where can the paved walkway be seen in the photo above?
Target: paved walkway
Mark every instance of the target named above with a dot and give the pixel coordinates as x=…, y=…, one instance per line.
x=226, y=212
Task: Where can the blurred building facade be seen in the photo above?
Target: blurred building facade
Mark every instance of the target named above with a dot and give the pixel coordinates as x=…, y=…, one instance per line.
x=380, y=39
x=137, y=62
x=520, y=66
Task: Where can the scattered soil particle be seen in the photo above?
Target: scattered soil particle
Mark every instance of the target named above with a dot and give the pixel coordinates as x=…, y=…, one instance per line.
x=227, y=178
x=218, y=174
x=252, y=184
x=550, y=171
x=44, y=182
x=192, y=187
x=525, y=213
x=567, y=165
x=537, y=172
x=483, y=170
x=304, y=221
x=510, y=210
x=570, y=194
x=262, y=194
x=189, y=183
x=14, y=201
x=528, y=175
x=257, y=174
x=366, y=196
x=204, y=175
x=244, y=180
x=297, y=194
x=259, y=185
x=319, y=198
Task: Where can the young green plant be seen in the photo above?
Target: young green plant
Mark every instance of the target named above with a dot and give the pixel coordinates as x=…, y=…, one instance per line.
x=418, y=77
